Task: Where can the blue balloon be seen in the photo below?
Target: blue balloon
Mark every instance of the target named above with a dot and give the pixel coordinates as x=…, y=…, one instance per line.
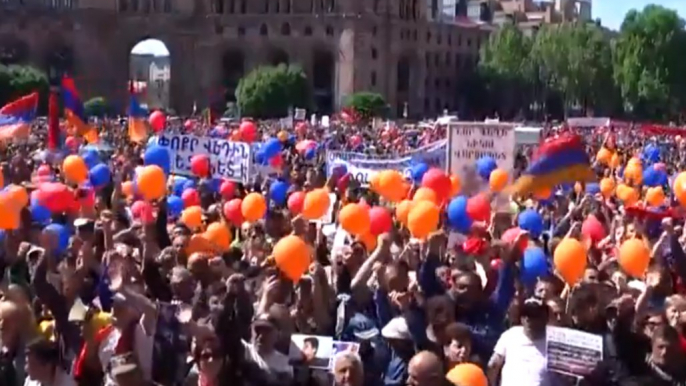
x=651, y=153
x=91, y=158
x=100, y=175
x=39, y=213
x=485, y=166
x=178, y=185
x=310, y=153
x=592, y=188
x=260, y=157
x=271, y=148
x=458, y=218
x=417, y=171
x=213, y=184
x=63, y=235
x=158, y=155
x=532, y=222
x=534, y=265
x=188, y=184
x=278, y=191
x=174, y=205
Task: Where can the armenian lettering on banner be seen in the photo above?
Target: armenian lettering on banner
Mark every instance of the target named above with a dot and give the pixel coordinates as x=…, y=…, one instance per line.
x=469, y=141
x=228, y=159
x=362, y=167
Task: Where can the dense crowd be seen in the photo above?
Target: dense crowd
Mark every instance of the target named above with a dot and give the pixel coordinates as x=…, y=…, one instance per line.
x=106, y=283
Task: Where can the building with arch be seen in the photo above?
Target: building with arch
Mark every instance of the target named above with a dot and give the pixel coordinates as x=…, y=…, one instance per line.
x=393, y=47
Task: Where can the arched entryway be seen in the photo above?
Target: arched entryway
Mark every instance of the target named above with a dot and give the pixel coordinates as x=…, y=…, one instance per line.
x=13, y=51
x=403, y=80
x=278, y=56
x=323, y=78
x=150, y=73
x=233, y=69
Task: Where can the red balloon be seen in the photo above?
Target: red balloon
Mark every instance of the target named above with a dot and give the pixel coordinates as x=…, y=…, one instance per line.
x=343, y=182
x=301, y=128
x=200, y=165
x=71, y=142
x=276, y=161
x=295, y=202
x=356, y=140
x=44, y=171
x=55, y=196
x=496, y=264
x=227, y=189
x=190, y=197
x=439, y=182
x=157, y=121
x=593, y=229
x=510, y=235
x=479, y=208
x=248, y=131
x=363, y=203
x=142, y=210
x=232, y=211
x=380, y=220
x=189, y=124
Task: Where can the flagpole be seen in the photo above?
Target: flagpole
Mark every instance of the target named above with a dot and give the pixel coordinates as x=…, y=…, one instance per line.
x=53, y=110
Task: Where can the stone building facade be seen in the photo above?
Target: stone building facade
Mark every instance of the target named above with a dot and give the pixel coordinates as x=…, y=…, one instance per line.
x=386, y=46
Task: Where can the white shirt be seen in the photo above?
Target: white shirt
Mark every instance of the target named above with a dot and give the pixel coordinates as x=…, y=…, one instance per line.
x=274, y=362
x=61, y=379
x=525, y=360
x=144, y=349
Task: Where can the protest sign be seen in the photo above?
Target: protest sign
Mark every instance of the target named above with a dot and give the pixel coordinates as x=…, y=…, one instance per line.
x=228, y=159
x=362, y=167
x=572, y=352
x=469, y=141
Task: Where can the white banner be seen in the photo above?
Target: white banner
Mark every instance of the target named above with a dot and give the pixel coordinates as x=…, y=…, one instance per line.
x=228, y=159
x=469, y=141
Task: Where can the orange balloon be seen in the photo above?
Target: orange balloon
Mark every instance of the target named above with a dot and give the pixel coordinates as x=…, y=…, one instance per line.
x=423, y=218
x=316, y=204
x=282, y=136
x=467, y=374
x=198, y=244
x=292, y=256
x=604, y=156
x=390, y=185
x=219, y=235
x=628, y=195
x=151, y=182
x=425, y=194
x=354, y=219
x=253, y=207
x=634, y=257
x=9, y=213
x=402, y=210
x=607, y=187
x=543, y=193
x=18, y=195
x=498, y=180
x=127, y=188
x=455, y=185
x=680, y=188
x=655, y=196
x=633, y=174
x=615, y=161
x=374, y=182
x=635, y=161
x=75, y=169
x=570, y=260
x=192, y=217
x=369, y=241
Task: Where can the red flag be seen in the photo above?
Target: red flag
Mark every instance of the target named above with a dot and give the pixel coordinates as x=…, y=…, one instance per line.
x=53, y=121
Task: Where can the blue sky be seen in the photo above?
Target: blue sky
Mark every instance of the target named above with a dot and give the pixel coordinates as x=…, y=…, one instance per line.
x=611, y=12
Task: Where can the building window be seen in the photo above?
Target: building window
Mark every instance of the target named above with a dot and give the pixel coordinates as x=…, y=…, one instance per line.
x=241, y=31
x=374, y=53
x=263, y=30
x=437, y=83
x=374, y=31
x=469, y=42
x=437, y=59
x=288, y=6
x=167, y=6
x=123, y=5
x=218, y=6
x=244, y=6
x=329, y=30
x=459, y=40
x=218, y=29
x=286, y=29
x=450, y=40
x=428, y=37
x=373, y=80
x=427, y=105
x=439, y=39
x=414, y=35
x=447, y=58
x=427, y=58
x=308, y=31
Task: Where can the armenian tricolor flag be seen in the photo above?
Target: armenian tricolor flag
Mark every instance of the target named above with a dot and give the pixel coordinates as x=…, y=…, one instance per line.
x=16, y=117
x=138, y=131
x=74, y=112
x=559, y=160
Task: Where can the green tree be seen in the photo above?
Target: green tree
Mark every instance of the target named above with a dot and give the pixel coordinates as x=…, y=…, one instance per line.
x=367, y=104
x=648, y=62
x=17, y=81
x=96, y=107
x=269, y=91
x=575, y=60
x=506, y=67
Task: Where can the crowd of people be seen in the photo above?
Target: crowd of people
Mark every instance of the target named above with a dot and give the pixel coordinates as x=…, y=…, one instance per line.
x=105, y=283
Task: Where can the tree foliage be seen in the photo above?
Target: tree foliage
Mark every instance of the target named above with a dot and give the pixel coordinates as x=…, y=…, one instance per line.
x=96, y=107
x=269, y=91
x=17, y=81
x=367, y=104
